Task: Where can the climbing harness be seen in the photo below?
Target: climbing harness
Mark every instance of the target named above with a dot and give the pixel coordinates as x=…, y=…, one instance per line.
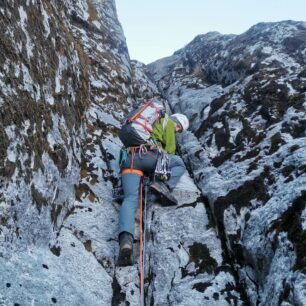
x=117, y=191
x=162, y=169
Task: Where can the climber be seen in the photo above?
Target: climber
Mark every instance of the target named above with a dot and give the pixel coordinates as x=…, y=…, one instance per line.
x=143, y=159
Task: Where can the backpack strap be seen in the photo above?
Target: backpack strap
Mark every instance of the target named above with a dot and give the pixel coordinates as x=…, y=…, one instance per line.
x=144, y=126
x=165, y=122
x=143, y=118
x=157, y=111
x=140, y=111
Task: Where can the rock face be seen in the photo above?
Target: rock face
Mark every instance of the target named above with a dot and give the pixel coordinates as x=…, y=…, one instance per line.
x=246, y=98
x=66, y=81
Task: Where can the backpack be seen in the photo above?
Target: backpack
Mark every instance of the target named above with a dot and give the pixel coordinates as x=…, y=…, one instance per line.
x=138, y=124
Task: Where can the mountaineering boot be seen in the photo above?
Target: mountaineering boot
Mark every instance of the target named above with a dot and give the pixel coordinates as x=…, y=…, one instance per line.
x=125, y=250
x=161, y=189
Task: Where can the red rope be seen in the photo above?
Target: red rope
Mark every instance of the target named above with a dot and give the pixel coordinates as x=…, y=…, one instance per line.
x=144, y=126
x=132, y=157
x=140, y=245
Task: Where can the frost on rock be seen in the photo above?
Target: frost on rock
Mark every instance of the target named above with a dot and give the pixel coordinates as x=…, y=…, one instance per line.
x=184, y=262
x=58, y=156
x=247, y=147
x=66, y=84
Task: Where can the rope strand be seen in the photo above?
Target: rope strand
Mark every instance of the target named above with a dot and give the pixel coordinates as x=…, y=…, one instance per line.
x=140, y=247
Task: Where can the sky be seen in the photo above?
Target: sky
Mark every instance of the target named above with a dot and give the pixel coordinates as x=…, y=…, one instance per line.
x=157, y=28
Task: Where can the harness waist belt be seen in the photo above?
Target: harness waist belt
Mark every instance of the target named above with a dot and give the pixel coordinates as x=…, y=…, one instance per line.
x=148, y=147
x=126, y=171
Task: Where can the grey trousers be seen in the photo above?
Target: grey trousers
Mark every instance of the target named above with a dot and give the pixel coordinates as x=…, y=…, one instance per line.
x=131, y=182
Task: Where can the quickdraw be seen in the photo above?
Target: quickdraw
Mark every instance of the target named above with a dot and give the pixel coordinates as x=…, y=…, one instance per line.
x=162, y=170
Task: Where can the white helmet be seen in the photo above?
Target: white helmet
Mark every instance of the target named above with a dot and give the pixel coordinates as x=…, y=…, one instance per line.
x=182, y=120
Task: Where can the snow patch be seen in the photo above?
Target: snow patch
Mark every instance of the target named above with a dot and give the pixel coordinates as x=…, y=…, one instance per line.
x=283, y=59
x=97, y=24
x=54, y=137
x=48, y=94
x=97, y=83
x=97, y=113
x=62, y=66
x=45, y=20
x=235, y=126
x=27, y=80
x=12, y=149
x=267, y=50
x=23, y=19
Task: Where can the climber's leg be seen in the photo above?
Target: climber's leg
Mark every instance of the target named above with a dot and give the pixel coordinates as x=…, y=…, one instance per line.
x=130, y=184
x=177, y=168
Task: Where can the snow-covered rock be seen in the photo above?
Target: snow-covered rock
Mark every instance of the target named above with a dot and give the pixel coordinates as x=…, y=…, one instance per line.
x=66, y=82
x=246, y=98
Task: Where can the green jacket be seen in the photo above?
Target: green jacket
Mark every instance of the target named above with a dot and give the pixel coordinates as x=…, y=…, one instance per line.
x=165, y=137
